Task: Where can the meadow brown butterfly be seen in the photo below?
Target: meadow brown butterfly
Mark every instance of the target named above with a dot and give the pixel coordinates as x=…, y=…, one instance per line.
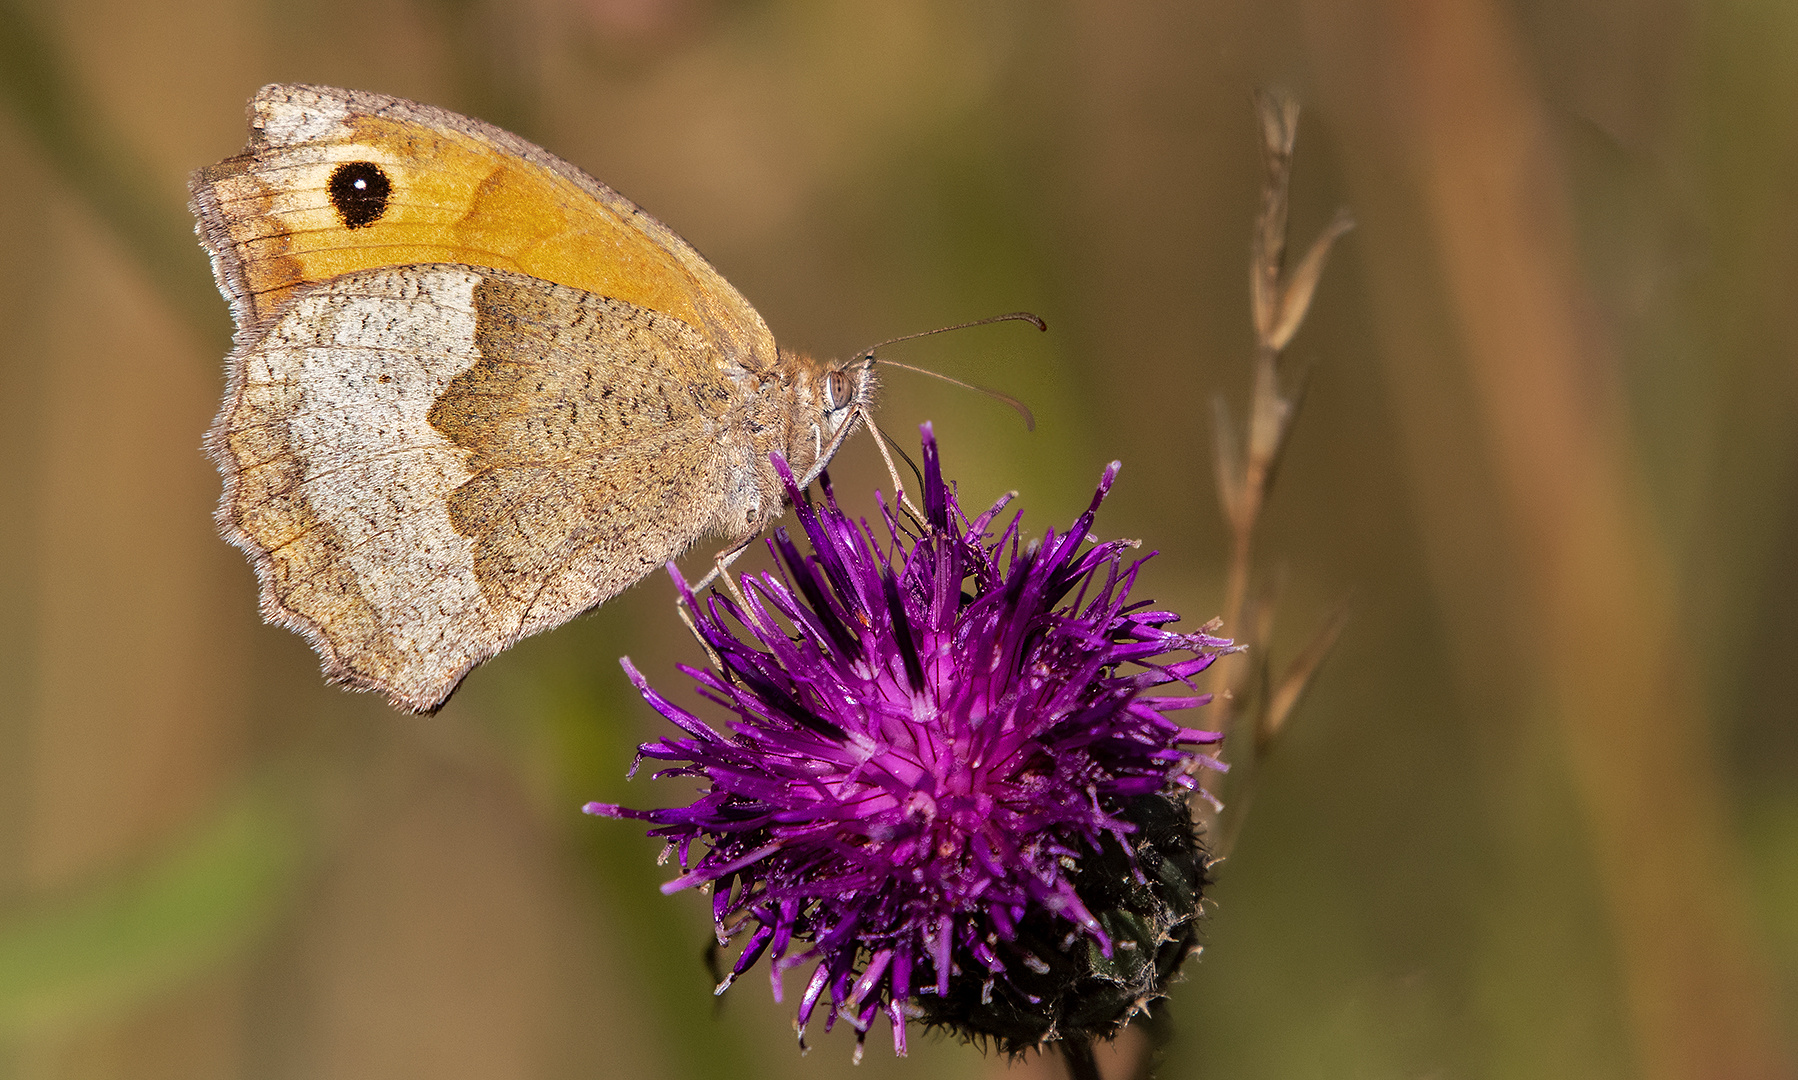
x=476, y=392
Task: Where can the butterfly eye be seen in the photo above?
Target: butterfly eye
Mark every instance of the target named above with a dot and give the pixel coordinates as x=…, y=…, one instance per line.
x=836, y=388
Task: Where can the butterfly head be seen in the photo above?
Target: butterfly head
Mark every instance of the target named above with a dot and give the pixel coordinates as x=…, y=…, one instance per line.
x=840, y=393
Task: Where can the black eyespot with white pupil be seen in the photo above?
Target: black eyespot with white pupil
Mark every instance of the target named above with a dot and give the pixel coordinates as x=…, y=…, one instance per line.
x=359, y=192
x=836, y=389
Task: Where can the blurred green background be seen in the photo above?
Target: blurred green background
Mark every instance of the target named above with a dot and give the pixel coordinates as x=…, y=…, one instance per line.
x=1539, y=815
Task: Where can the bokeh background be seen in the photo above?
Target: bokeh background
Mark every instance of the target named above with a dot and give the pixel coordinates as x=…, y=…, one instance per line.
x=1538, y=816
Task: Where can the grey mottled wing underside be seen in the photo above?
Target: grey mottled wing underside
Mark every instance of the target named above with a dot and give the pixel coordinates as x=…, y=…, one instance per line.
x=426, y=463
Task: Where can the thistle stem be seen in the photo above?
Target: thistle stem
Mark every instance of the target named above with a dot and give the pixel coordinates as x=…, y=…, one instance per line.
x=1082, y=1065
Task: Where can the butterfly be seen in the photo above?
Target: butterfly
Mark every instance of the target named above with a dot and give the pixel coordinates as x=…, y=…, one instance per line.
x=474, y=391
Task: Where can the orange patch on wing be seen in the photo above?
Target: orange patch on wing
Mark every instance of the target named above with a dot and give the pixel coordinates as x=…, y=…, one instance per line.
x=458, y=200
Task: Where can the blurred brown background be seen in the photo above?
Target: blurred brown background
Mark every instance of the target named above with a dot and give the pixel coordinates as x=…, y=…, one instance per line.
x=1539, y=815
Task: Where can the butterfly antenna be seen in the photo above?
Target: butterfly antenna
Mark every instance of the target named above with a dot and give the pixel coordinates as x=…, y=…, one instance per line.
x=1012, y=316
x=1022, y=409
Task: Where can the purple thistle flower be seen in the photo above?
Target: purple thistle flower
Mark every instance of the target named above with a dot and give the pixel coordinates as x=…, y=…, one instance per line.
x=944, y=789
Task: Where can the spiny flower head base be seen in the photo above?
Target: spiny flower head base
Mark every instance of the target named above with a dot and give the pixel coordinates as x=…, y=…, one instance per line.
x=944, y=790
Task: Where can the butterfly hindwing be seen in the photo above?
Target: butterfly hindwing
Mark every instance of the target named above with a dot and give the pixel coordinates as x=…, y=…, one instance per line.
x=426, y=463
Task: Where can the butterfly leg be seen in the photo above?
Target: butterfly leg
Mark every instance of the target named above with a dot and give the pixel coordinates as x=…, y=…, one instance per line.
x=710, y=653
x=893, y=471
x=721, y=569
